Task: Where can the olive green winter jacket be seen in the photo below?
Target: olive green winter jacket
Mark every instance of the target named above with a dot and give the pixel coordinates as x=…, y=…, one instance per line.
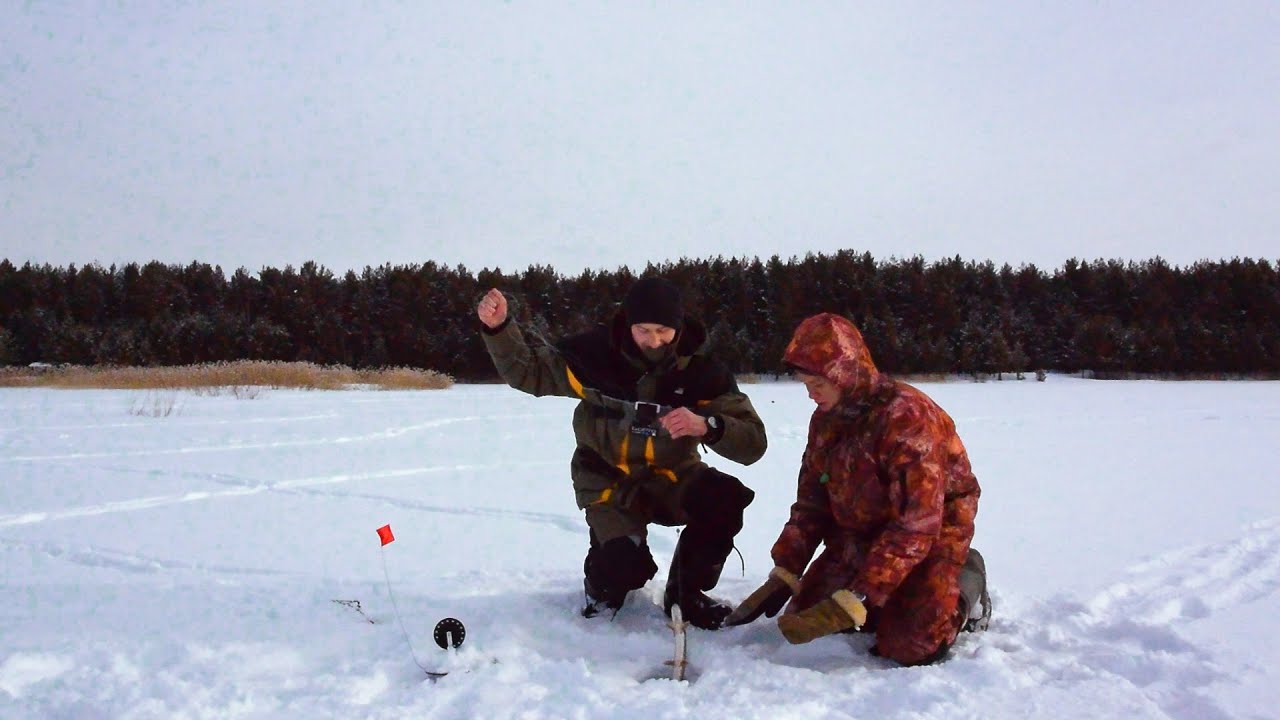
x=603, y=368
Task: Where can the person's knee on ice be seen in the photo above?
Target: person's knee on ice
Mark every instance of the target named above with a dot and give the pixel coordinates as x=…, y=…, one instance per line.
x=911, y=655
x=933, y=658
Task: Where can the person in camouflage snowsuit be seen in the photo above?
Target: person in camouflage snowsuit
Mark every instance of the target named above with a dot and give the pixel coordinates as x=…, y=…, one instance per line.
x=648, y=397
x=885, y=484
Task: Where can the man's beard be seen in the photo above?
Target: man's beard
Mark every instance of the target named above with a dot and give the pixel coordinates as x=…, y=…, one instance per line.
x=654, y=356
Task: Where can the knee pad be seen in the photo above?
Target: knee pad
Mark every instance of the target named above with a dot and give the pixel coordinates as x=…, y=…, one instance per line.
x=620, y=565
x=715, y=501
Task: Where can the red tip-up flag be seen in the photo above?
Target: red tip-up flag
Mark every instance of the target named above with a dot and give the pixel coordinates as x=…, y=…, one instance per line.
x=384, y=534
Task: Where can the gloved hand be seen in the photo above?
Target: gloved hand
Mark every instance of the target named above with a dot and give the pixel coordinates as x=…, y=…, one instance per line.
x=768, y=599
x=842, y=611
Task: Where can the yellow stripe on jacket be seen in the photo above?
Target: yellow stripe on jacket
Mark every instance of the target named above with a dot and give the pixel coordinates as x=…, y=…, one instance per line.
x=574, y=384
x=648, y=459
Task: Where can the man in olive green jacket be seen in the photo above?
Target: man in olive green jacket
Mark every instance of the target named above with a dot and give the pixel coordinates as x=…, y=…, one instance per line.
x=648, y=398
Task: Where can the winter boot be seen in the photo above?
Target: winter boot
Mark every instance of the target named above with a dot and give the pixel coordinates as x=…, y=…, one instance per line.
x=599, y=602
x=695, y=568
x=613, y=569
x=714, y=502
x=974, y=599
x=698, y=608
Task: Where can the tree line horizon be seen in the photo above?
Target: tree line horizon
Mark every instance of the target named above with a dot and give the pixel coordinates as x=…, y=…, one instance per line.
x=952, y=316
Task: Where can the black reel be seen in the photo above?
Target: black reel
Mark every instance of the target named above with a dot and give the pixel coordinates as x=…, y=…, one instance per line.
x=449, y=633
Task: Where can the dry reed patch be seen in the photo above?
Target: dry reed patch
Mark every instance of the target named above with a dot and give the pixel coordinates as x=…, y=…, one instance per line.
x=242, y=378
x=405, y=378
x=19, y=377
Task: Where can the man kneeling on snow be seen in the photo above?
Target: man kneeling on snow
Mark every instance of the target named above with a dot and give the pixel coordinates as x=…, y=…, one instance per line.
x=885, y=484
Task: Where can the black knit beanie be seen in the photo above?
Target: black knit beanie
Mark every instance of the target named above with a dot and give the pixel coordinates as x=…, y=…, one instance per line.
x=654, y=300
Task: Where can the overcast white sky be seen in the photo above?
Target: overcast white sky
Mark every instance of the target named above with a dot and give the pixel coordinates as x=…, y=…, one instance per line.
x=596, y=134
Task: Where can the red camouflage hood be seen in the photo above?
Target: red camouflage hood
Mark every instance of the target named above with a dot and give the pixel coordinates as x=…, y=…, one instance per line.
x=831, y=346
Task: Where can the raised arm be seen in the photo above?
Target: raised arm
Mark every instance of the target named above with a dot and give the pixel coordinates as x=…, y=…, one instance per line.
x=539, y=370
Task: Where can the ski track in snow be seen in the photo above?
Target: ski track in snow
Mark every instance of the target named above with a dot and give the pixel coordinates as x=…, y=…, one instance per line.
x=146, y=503
x=1130, y=631
x=384, y=434
x=170, y=423
x=1191, y=583
x=96, y=557
x=571, y=523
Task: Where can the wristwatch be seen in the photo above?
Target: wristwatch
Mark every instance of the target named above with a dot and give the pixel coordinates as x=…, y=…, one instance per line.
x=715, y=429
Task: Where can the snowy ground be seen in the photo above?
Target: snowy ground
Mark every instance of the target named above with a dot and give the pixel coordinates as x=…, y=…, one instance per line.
x=186, y=565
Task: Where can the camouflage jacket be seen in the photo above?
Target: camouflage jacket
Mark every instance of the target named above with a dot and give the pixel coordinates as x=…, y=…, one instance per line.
x=884, y=478
x=603, y=368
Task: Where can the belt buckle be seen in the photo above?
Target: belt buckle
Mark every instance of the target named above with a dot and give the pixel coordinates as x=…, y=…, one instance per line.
x=645, y=423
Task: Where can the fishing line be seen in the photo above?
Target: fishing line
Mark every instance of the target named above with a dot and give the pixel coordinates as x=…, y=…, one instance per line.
x=396, y=608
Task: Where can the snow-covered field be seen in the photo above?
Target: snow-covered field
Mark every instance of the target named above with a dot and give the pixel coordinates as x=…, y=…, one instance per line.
x=187, y=565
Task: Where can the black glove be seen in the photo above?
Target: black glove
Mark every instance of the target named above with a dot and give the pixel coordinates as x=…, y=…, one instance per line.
x=768, y=599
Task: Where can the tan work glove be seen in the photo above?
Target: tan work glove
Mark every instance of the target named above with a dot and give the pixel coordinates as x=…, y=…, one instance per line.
x=842, y=611
x=768, y=599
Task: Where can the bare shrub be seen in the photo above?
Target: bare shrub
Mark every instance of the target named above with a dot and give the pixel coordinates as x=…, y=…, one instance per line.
x=246, y=392
x=154, y=404
x=239, y=392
